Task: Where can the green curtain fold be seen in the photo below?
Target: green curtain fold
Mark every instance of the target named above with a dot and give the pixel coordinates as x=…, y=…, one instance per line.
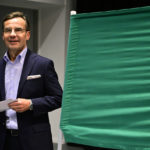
x=106, y=99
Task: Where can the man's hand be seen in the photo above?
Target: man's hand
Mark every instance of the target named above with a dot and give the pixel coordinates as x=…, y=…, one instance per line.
x=20, y=105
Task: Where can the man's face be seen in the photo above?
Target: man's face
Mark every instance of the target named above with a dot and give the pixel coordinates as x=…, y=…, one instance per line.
x=15, y=35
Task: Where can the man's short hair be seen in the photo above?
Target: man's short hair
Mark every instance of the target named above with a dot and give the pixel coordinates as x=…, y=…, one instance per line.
x=15, y=15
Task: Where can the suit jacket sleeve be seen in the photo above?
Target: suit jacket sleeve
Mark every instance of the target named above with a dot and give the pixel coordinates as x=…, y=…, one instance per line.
x=45, y=92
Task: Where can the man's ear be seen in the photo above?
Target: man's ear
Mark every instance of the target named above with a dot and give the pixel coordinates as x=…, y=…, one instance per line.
x=28, y=35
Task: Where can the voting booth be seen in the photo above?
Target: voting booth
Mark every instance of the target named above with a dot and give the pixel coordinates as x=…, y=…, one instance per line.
x=106, y=100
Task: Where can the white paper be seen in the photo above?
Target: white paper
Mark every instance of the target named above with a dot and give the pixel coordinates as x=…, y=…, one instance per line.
x=4, y=104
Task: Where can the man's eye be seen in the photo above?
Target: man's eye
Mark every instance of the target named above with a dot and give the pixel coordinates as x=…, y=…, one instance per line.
x=7, y=30
x=18, y=30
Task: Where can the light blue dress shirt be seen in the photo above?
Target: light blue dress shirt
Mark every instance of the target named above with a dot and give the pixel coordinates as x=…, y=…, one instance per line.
x=13, y=72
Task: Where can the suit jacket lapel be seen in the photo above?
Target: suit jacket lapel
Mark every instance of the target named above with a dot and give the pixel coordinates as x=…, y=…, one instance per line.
x=27, y=67
x=2, y=78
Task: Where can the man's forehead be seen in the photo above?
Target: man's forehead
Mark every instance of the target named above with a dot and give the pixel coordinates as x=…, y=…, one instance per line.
x=15, y=22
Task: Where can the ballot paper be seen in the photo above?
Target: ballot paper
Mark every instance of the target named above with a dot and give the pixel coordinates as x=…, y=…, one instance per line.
x=4, y=104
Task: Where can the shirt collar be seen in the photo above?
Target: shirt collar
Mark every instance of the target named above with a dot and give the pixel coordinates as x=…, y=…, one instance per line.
x=20, y=57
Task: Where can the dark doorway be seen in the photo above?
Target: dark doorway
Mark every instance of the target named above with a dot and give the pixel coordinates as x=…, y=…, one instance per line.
x=83, y=6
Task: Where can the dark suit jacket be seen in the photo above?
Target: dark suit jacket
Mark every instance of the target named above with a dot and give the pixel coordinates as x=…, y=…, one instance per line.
x=46, y=95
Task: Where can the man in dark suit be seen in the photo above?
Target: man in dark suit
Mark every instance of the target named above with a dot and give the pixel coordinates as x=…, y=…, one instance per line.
x=32, y=82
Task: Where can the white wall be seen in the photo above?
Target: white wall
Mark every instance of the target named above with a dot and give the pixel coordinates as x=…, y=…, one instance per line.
x=52, y=45
x=56, y=2
x=36, y=4
x=52, y=37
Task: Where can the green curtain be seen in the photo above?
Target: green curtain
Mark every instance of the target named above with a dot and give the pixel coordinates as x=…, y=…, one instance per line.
x=106, y=100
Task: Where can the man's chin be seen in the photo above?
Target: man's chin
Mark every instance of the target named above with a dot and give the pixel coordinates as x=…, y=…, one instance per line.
x=15, y=49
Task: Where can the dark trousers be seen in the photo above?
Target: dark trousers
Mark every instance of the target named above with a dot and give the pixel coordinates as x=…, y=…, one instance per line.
x=12, y=142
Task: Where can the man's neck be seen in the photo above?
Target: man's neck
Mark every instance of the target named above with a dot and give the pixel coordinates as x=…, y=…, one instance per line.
x=12, y=54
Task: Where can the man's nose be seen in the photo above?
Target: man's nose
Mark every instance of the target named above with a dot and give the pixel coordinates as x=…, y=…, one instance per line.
x=13, y=32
